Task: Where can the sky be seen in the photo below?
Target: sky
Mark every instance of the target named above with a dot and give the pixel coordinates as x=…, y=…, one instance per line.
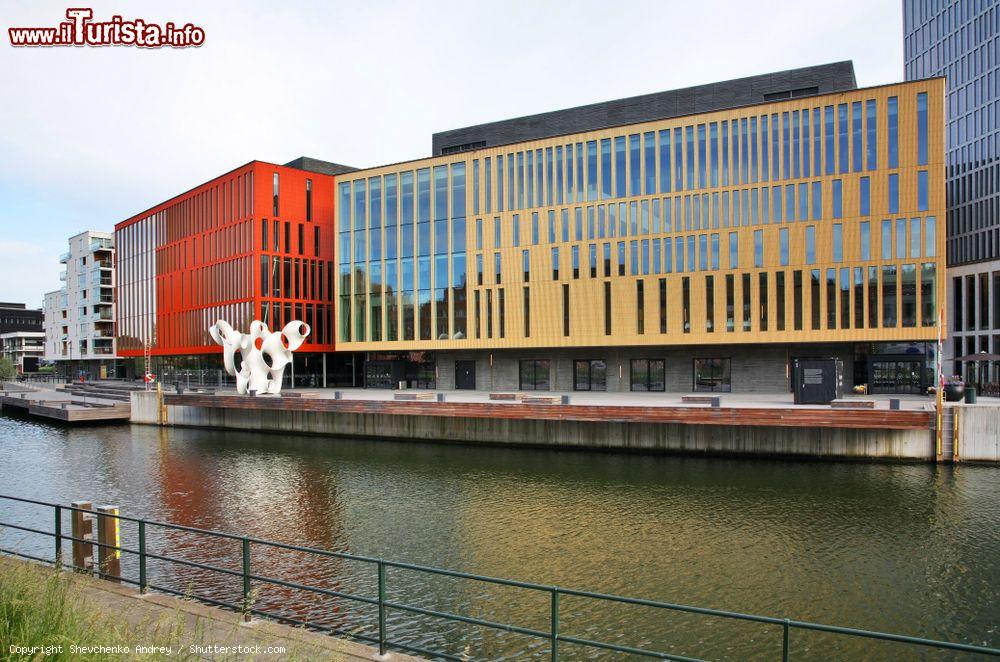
x=91, y=136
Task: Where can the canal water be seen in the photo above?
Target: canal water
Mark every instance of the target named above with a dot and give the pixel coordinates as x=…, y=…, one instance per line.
x=906, y=548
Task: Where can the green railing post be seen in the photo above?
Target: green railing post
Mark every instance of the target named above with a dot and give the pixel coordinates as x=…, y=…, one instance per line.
x=58, y=536
x=246, y=579
x=381, y=608
x=784, y=642
x=142, y=556
x=554, y=630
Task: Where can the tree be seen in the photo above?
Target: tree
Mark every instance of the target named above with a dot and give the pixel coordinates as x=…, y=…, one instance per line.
x=7, y=368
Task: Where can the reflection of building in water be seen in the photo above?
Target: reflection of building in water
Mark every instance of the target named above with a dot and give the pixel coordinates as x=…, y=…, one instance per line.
x=236, y=487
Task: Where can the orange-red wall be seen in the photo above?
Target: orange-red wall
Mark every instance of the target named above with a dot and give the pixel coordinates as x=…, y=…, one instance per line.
x=209, y=252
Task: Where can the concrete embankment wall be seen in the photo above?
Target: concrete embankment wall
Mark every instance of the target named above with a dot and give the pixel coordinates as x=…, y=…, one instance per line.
x=595, y=435
x=978, y=433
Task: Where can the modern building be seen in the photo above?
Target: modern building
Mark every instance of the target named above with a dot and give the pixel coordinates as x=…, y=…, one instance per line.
x=700, y=245
x=80, y=316
x=23, y=348
x=254, y=243
x=18, y=317
x=960, y=40
x=21, y=335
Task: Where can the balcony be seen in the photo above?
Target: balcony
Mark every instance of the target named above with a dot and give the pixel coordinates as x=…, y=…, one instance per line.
x=105, y=300
x=104, y=264
x=102, y=316
x=101, y=245
x=64, y=258
x=103, y=350
x=62, y=276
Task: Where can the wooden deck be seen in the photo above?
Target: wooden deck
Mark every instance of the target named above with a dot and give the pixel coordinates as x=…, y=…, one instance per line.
x=807, y=417
x=66, y=409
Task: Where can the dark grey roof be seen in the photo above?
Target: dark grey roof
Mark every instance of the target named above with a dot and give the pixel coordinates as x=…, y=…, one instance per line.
x=820, y=79
x=316, y=165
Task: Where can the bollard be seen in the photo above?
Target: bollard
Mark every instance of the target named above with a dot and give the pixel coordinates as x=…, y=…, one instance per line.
x=109, y=537
x=82, y=530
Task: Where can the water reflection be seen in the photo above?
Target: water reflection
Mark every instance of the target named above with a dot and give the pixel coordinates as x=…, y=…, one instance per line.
x=905, y=548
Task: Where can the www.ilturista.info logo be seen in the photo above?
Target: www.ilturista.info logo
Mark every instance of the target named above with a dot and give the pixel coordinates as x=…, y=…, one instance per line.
x=81, y=30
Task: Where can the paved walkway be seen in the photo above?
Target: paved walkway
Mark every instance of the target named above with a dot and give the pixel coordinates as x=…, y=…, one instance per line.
x=620, y=399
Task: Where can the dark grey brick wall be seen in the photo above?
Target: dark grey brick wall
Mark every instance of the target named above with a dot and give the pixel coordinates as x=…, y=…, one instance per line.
x=755, y=368
x=834, y=77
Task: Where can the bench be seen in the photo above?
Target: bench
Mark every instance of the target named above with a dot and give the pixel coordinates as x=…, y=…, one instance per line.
x=545, y=399
x=506, y=396
x=853, y=404
x=710, y=400
x=303, y=394
x=424, y=396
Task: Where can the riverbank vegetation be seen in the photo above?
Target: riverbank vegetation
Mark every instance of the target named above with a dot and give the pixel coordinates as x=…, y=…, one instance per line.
x=42, y=616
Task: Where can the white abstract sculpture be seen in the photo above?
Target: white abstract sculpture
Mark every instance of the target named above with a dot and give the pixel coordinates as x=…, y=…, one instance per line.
x=265, y=354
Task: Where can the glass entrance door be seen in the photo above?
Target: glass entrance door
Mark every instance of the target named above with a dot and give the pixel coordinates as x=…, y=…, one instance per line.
x=901, y=376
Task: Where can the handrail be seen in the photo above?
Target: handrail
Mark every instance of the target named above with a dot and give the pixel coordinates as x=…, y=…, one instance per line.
x=552, y=635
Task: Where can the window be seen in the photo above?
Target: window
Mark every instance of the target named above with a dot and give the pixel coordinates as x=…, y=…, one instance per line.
x=922, y=190
x=814, y=286
x=309, y=200
x=930, y=245
x=527, y=312
x=893, y=127
x=762, y=295
x=605, y=168
x=565, y=310
x=526, y=265
x=758, y=248
x=620, y=172
x=779, y=299
x=686, y=303
x=865, y=240
x=811, y=244
x=871, y=141
x=712, y=375
x=534, y=375
x=864, y=197
x=663, y=305
x=590, y=375
x=838, y=242
x=889, y=296
x=647, y=375
x=274, y=193
x=607, y=308
x=640, y=308
x=709, y=304
x=555, y=263
x=922, y=128
x=734, y=250
x=838, y=198
x=783, y=245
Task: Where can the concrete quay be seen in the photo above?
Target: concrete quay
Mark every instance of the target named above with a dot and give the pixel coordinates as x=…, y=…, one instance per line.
x=757, y=425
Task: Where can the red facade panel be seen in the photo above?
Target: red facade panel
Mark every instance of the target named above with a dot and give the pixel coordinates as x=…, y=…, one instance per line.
x=219, y=251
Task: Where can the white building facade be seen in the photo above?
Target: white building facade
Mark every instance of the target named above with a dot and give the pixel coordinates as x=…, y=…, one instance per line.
x=80, y=317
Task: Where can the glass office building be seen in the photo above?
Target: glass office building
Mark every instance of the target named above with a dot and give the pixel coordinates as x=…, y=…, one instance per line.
x=960, y=40
x=700, y=252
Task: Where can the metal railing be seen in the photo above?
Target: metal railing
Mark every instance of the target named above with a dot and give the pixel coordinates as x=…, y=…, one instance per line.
x=553, y=635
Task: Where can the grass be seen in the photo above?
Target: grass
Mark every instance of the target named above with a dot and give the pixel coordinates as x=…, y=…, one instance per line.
x=39, y=608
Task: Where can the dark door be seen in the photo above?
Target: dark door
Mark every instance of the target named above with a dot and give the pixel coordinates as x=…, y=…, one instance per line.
x=465, y=375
